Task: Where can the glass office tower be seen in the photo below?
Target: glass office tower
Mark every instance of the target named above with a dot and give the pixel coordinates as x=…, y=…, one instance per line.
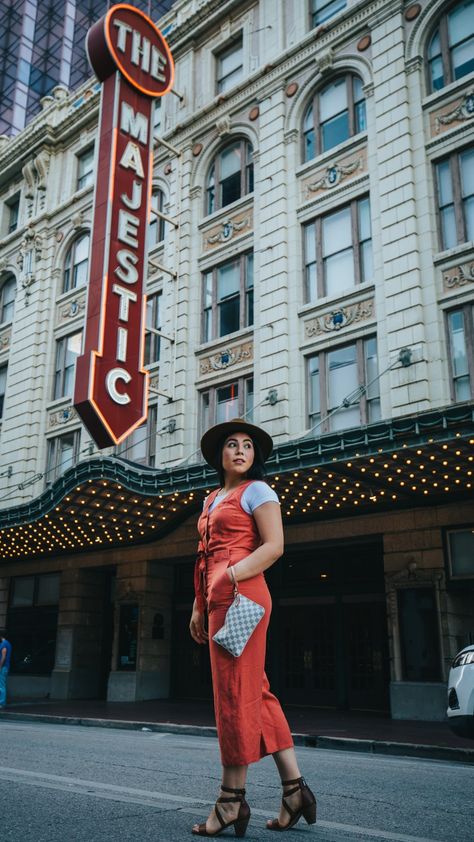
x=42, y=45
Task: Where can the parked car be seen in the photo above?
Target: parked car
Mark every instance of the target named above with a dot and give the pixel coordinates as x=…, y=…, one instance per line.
x=461, y=693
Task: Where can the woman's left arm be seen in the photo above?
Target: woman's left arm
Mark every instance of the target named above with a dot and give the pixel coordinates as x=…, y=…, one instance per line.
x=270, y=527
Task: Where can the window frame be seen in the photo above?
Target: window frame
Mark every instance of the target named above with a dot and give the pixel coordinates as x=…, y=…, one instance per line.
x=52, y=472
x=156, y=225
x=453, y=159
x=315, y=105
x=3, y=371
x=236, y=44
x=453, y=577
x=8, y=281
x=13, y=207
x=70, y=283
x=467, y=310
x=61, y=351
x=243, y=297
x=86, y=179
x=441, y=27
x=364, y=401
x=149, y=428
x=313, y=12
x=210, y=392
x=152, y=345
x=213, y=197
x=357, y=250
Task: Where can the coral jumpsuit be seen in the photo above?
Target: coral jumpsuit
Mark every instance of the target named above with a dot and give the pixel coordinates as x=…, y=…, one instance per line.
x=250, y=721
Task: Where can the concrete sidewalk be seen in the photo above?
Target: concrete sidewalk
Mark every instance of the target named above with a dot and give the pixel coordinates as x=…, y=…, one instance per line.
x=318, y=728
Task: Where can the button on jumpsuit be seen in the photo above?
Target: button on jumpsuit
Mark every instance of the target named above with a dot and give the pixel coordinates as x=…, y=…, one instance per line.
x=250, y=721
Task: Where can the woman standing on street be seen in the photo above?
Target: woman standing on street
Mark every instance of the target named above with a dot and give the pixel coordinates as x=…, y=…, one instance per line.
x=241, y=535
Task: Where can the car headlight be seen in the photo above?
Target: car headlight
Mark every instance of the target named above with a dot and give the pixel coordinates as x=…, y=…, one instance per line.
x=463, y=658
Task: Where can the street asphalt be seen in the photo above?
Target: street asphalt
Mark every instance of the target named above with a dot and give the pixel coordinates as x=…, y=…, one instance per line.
x=60, y=783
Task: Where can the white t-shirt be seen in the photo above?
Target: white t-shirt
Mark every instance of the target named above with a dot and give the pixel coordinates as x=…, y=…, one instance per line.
x=255, y=495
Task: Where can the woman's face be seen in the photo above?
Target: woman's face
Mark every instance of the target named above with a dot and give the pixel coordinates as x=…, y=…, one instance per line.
x=238, y=454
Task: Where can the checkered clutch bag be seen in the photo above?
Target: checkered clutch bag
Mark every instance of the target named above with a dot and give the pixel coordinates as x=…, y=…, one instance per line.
x=240, y=621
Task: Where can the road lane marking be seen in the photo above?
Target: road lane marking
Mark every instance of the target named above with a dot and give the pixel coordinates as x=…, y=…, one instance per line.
x=167, y=801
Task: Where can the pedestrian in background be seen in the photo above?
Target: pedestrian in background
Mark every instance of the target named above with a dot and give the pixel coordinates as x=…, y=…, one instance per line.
x=241, y=535
x=5, y=656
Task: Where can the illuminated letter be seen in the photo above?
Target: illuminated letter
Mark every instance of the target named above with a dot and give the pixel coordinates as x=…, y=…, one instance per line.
x=113, y=376
x=122, y=337
x=126, y=295
x=131, y=159
x=133, y=124
x=127, y=260
x=127, y=228
x=143, y=51
x=158, y=61
x=136, y=200
x=123, y=29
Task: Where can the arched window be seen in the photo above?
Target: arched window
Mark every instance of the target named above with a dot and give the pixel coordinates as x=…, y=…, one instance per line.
x=335, y=113
x=7, y=299
x=451, y=49
x=76, y=265
x=230, y=176
x=156, y=228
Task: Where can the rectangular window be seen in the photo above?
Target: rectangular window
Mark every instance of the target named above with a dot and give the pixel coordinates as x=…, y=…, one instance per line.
x=461, y=553
x=230, y=400
x=338, y=250
x=324, y=9
x=140, y=445
x=227, y=295
x=13, y=212
x=68, y=348
x=455, y=196
x=85, y=169
x=230, y=65
x=343, y=389
x=157, y=225
x=3, y=386
x=461, y=351
x=63, y=453
x=153, y=323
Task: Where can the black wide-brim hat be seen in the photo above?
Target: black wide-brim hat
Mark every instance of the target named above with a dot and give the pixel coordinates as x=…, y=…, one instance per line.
x=215, y=435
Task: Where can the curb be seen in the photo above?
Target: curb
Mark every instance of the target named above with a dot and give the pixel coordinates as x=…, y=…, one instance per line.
x=379, y=747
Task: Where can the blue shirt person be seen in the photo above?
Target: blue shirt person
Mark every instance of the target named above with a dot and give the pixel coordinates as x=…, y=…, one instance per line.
x=5, y=657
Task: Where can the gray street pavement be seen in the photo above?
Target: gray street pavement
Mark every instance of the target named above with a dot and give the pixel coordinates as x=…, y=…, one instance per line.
x=66, y=784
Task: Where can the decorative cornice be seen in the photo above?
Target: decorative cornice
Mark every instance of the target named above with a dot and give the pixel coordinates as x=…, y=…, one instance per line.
x=339, y=170
x=227, y=229
x=458, y=276
x=226, y=357
x=62, y=416
x=5, y=339
x=71, y=309
x=460, y=111
x=336, y=320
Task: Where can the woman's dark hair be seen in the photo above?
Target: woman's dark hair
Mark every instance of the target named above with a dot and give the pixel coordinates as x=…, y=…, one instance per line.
x=257, y=471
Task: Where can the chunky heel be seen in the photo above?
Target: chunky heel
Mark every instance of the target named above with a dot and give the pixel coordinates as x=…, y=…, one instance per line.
x=309, y=813
x=241, y=826
x=307, y=809
x=240, y=823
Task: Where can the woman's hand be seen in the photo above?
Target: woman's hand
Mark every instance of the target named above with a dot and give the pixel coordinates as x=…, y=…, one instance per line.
x=196, y=627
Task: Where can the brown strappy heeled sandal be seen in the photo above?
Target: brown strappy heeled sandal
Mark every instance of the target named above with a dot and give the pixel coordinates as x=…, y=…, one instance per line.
x=240, y=823
x=307, y=809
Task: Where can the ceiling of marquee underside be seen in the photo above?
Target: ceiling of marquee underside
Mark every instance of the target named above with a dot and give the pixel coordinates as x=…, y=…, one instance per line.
x=108, y=503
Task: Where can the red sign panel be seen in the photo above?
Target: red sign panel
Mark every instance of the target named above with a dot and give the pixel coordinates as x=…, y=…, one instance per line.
x=111, y=384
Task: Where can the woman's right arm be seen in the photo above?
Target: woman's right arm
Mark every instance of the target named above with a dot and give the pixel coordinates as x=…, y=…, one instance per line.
x=197, y=626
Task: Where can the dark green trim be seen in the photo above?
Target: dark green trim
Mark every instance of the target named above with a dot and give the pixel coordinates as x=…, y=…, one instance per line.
x=441, y=425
